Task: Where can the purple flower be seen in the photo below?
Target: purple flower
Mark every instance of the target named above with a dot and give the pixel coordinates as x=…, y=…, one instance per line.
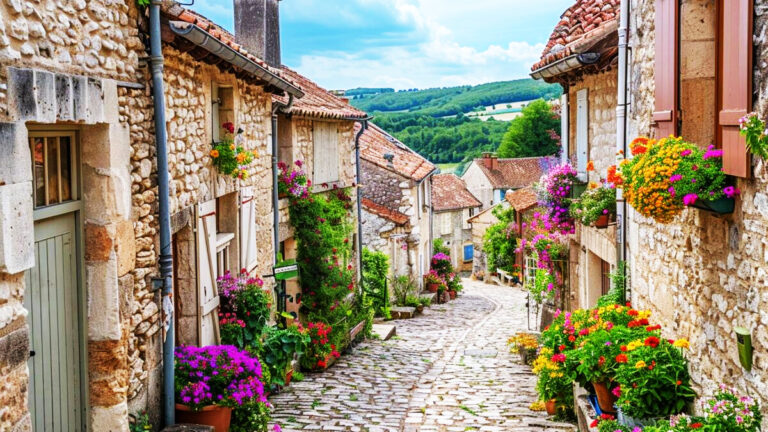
x=731, y=191
x=672, y=191
x=690, y=199
x=713, y=154
x=675, y=178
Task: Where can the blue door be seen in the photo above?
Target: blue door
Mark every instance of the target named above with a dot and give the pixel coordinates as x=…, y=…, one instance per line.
x=469, y=252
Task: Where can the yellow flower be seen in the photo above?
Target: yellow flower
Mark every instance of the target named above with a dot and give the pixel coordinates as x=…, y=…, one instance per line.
x=634, y=345
x=639, y=365
x=255, y=154
x=231, y=146
x=592, y=185
x=681, y=343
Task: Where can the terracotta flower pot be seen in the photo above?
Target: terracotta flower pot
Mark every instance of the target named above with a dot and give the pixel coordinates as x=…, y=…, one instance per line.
x=211, y=415
x=551, y=406
x=602, y=221
x=452, y=294
x=288, y=376
x=605, y=398
x=433, y=287
x=420, y=308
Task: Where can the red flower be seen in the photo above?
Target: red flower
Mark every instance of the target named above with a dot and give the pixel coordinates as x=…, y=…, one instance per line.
x=632, y=312
x=558, y=358
x=653, y=328
x=644, y=321
x=562, y=348
x=696, y=425
x=623, y=348
x=652, y=341
x=621, y=358
x=572, y=338
x=229, y=126
x=593, y=424
x=601, y=361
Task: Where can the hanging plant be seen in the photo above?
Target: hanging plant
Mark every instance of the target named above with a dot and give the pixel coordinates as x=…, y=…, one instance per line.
x=754, y=130
x=229, y=156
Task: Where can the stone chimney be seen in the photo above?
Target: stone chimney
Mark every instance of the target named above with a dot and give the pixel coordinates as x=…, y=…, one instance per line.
x=257, y=28
x=490, y=161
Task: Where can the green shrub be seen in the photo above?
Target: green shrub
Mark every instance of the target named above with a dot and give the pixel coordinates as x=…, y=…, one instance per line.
x=500, y=241
x=375, y=273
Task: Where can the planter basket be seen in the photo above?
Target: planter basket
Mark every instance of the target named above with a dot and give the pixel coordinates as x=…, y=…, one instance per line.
x=718, y=206
x=605, y=398
x=602, y=222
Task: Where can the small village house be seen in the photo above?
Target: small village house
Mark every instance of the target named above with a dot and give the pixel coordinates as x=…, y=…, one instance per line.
x=396, y=198
x=453, y=204
x=581, y=56
x=524, y=201
x=490, y=178
x=479, y=225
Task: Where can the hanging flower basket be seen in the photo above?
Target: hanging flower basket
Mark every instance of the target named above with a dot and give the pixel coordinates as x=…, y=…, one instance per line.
x=602, y=221
x=721, y=206
x=229, y=156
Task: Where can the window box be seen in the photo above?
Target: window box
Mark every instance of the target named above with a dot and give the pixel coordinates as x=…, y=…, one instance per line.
x=719, y=206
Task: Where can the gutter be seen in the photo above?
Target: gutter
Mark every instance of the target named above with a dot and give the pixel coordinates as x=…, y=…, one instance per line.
x=363, y=128
x=203, y=39
x=284, y=108
x=166, y=256
x=621, y=131
x=565, y=65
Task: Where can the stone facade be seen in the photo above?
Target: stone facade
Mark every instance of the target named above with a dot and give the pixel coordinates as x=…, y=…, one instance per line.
x=702, y=275
x=479, y=185
x=459, y=235
x=480, y=223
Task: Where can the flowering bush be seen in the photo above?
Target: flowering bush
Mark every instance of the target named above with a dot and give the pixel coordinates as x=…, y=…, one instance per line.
x=595, y=202
x=441, y=263
x=666, y=175
x=554, y=379
x=217, y=375
x=245, y=309
x=554, y=190
x=280, y=347
x=294, y=182
x=525, y=344
x=229, y=157
x=542, y=286
x=500, y=240
x=753, y=129
x=432, y=278
x=320, y=348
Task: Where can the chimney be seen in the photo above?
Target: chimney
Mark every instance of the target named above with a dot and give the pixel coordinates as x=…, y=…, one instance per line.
x=257, y=28
x=490, y=161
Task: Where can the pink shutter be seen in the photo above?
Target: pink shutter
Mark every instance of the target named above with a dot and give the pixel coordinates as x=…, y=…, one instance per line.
x=666, y=70
x=735, y=83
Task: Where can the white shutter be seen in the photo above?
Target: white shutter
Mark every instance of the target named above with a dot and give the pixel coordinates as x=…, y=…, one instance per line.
x=248, y=245
x=465, y=215
x=564, y=132
x=446, y=223
x=208, y=294
x=582, y=132
x=325, y=138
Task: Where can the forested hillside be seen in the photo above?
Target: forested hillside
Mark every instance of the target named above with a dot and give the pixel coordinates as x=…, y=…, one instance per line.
x=439, y=102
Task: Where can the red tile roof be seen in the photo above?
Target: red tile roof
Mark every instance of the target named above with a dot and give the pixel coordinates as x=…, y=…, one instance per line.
x=385, y=212
x=523, y=199
x=580, y=25
x=375, y=143
x=449, y=192
x=317, y=102
x=512, y=173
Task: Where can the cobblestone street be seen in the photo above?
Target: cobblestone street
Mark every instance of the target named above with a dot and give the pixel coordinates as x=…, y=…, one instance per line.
x=446, y=370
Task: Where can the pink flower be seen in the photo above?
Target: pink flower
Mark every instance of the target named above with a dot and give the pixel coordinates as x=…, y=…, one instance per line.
x=690, y=199
x=685, y=152
x=675, y=178
x=731, y=191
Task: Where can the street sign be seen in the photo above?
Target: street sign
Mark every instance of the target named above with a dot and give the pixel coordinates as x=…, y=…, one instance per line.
x=285, y=270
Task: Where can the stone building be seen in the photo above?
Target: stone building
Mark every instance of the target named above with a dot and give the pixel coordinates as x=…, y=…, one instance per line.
x=319, y=131
x=396, y=195
x=452, y=206
x=489, y=178
x=479, y=223
x=524, y=201
x=704, y=274
x=581, y=56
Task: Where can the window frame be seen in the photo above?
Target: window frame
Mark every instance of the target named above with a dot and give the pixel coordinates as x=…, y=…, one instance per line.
x=74, y=158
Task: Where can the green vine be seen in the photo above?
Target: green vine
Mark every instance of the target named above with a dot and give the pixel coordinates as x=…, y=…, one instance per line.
x=753, y=129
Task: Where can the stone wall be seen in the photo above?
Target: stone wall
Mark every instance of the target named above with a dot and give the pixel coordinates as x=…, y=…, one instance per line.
x=702, y=275
x=381, y=186
x=456, y=239
x=602, y=94
x=478, y=184
x=375, y=228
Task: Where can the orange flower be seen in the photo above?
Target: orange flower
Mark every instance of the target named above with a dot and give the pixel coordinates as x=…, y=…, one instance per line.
x=214, y=154
x=231, y=146
x=590, y=166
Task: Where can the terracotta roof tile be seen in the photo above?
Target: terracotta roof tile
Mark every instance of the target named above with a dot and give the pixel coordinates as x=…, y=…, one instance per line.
x=449, y=192
x=385, y=212
x=513, y=173
x=375, y=143
x=585, y=21
x=523, y=199
x=317, y=102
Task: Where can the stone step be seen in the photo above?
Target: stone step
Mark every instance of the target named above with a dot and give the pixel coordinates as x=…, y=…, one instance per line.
x=384, y=331
x=402, y=312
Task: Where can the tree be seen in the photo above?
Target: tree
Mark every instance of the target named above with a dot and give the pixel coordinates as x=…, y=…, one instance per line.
x=535, y=133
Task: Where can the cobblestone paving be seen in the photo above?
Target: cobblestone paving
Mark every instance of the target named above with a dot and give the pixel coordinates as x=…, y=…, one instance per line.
x=447, y=370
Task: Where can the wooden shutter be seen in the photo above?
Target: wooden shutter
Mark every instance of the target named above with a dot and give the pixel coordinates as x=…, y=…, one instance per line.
x=564, y=132
x=735, y=42
x=326, y=152
x=208, y=295
x=665, y=113
x=582, y=132
x=248, y=245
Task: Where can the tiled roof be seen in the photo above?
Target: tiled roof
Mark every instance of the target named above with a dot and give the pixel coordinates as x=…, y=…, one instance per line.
x=584, y=22
x=385, y=212
x=375, y=143
x=317, y=101
x=523, y=199
x=449, y=192
x=513, y=173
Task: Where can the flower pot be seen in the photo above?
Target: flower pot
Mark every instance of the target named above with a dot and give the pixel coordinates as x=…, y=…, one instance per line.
x=602, y=221
x=718, y=206
x=420, y=308
x=288, y=376
x=433, y=288
x=452, y=294
x=605, y=398
x=211, y=415
x=551, y=406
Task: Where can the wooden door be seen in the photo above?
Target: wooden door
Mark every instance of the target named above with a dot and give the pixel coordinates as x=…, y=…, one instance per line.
x=52, y=298
x=208, y=295
x=248, y=244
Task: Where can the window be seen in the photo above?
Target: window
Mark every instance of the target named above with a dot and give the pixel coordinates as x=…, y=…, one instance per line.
x=53, y=159
x=445, y=223
x=248, y=227
x=326, y=152
x=605, y=281
x=223, y=109
x=465, y=215
x=582, y=132
x=223, y=241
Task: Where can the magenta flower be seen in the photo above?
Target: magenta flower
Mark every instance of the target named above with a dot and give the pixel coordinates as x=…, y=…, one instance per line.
x=690, y=199
x=675, y=178
x=731, y=191
x=685, y=152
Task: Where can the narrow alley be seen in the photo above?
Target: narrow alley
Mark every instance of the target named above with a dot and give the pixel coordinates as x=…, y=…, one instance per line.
x=448, y=369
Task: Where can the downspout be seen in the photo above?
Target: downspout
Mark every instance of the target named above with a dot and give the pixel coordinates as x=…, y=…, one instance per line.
x=621, y=129
x=363, y=128
x=166, y=256
x=284, y=108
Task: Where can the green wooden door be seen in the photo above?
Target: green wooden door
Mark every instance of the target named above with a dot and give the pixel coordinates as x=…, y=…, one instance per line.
x=52, y=299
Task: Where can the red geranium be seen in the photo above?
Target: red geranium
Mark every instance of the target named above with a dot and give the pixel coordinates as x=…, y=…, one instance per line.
x=652, y=341
x=621, y=358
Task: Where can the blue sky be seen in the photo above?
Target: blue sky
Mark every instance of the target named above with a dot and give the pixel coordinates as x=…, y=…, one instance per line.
x=343, y=44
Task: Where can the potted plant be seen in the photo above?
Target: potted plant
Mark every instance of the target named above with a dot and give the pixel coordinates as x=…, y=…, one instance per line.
x=526, y=345
x=554, y=384
x=280, y=348
x=667, y=175
x=320, y=350
x=229, y=156
x=292, y=182
x=597, y=205
x=212, y=380
x=433, y=281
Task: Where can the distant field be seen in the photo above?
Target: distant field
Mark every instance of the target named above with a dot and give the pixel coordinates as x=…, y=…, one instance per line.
x=447, y=168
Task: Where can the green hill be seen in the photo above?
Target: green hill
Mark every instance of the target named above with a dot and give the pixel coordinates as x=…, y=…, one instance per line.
x=440, y=102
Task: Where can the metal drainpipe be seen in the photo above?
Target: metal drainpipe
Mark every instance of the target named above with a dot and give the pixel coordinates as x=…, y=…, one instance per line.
x=363, y=127
x=621, y=128
x=166, y=255
x=285, y=108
